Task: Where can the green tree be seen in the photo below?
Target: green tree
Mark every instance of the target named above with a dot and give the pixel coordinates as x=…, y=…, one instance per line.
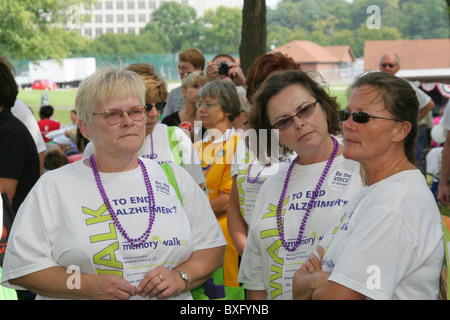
x=364, y=34
x=180, y=24
x=122, y=44
x=39, y=29
x=278, y=36
x=222, y=30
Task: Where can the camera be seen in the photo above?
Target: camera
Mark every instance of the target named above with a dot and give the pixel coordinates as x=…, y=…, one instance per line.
x=224, y=68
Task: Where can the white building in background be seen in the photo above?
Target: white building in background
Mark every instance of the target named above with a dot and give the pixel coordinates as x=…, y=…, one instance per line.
x=129, y=16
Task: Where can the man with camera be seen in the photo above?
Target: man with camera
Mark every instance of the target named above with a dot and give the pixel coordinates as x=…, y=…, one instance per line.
x=224, y=66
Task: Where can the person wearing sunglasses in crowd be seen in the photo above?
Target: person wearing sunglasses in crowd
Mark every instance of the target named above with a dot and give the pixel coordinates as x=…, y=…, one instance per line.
x=112, y=226
x=388, y=242
x=297, y=205
x=186, y=117
x=162, y=143
x=390, y=63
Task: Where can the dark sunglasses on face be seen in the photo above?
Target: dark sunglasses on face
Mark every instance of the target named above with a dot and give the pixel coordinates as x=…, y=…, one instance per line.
x=158, y=105
x=302, y=113
x=384, y=65
x=359, y=117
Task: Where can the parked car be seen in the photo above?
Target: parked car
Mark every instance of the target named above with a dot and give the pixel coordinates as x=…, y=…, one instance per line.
x=43, y=84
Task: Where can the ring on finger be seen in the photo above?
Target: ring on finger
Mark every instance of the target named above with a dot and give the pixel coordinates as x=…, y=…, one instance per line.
x=161, y=277
x=311, y=270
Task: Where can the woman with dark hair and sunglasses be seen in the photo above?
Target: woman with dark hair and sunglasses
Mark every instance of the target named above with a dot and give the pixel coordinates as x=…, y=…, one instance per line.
x=113, y=226
x=162, y=143
x=388, y=243
x=297, y=205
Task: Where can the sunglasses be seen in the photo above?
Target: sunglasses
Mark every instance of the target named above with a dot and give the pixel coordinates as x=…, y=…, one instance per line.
x=158, y=105
x=359, y=117
x=302, y=113
x=384, y=65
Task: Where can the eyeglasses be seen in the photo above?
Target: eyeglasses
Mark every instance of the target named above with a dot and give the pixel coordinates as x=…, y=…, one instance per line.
x=207, y=105
x=158, y=105
x=359, y=117
x=114, y=116
x=183, y=68
x=302, y=113
x=384, y=65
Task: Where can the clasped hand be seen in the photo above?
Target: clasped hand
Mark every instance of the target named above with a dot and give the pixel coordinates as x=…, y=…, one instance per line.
x=310, y=277
x=160, y=282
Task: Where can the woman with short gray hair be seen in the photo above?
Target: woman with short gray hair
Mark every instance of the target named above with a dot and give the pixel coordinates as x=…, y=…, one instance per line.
x=115, y=219
x=218, y=105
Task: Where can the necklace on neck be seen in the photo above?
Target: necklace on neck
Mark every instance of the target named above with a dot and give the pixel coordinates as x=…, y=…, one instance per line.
x=218, y=153
x=151, y=203
x=249, y=180
x=280, y=220
x=152, y=155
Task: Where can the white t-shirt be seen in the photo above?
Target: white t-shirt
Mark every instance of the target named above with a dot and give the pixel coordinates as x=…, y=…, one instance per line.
x=64, y=222
x=247, y=191
x=175, y=102
x=161, y=147
x=424, y=99
x=389, y=243
x=445, y=120
x=22, y=112
x=266, y=264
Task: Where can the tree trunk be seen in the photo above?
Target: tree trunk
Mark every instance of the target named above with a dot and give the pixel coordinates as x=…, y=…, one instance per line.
x=448, y=12
x=253, y=41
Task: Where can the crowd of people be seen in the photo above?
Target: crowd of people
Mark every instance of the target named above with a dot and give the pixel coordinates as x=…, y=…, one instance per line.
x=261, y=175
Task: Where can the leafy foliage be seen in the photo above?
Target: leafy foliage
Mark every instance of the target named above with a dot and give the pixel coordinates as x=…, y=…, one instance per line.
x=339, y=22
x=36, y=29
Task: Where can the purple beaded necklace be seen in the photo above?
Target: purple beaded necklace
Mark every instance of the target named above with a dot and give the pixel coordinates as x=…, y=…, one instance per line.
x=151, y=204
x=249, y=180
x=280, y=220
x=153, y=155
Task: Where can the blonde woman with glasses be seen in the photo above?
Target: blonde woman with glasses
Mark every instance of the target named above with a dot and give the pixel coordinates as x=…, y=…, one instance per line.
x=112, y=226
x=162, y=143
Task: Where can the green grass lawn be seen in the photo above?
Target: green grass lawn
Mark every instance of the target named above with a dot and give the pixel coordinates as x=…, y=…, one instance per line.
x=63, y=100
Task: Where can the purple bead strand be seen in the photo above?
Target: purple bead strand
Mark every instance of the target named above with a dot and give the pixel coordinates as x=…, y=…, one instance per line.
x=146, y=234
x=280, y=220
x=153, y=155
x=249, y=180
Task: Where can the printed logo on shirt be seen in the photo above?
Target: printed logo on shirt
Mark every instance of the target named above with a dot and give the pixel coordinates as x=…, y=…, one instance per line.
x=138, y=205
x=281, y=260
x=155, y=242
x=339, y=179
x=162, y=188
x=105, y=260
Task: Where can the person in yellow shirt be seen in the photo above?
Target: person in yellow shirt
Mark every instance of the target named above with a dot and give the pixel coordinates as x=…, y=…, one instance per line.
x=218, y=105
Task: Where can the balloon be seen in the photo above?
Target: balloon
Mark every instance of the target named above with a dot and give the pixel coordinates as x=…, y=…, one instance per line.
x=439, y=134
